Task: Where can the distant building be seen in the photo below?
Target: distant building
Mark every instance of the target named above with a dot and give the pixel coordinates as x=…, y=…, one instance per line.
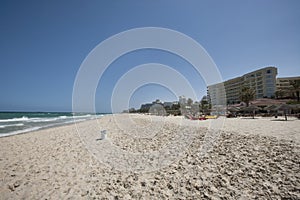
x=158, y=107
x=175, y=102
x=217, y=94
x=262, y=81
x=157, y=101
x=284, y=88
x=182, y=100
x=146, y=107
x=168, y=104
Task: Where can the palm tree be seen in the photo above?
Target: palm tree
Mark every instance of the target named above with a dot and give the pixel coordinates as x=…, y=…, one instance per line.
x=279, y=94
x=247, y=95
x=295, y=88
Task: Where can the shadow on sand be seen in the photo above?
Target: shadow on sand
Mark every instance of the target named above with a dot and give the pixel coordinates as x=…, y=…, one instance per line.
x=282, y=120
x=248, y=118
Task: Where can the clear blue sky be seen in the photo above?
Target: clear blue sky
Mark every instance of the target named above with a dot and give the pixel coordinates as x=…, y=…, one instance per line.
x=43, y=43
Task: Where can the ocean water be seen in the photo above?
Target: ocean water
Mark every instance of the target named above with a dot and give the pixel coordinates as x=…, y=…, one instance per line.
x=12, y=123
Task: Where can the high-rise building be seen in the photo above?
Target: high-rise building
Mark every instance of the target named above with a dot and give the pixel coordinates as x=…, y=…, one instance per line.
x=216, y=94
x=262, y=81
x=284, y=89
x=182, y=100
x=232, y=88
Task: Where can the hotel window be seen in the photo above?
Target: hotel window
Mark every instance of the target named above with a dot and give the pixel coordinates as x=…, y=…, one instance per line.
x=269, y=71
x=269, y=76
x=269, y=81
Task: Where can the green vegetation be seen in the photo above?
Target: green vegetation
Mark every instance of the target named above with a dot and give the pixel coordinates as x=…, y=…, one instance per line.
x=174, y=108
x=247, y=95
x=295, y=89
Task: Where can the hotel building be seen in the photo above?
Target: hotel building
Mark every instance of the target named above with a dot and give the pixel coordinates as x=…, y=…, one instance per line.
x=284, y=87
x=262, y=81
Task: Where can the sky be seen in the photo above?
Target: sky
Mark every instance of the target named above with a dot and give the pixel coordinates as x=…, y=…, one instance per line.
x=44, y=43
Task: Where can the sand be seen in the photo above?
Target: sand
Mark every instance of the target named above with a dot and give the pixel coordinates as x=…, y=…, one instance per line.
x=154, y=158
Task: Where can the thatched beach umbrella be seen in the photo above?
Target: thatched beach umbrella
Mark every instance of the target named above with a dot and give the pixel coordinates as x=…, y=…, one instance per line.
x=271, y=108
x=252, y=108
x=295, y=108
x=285, y=108
x=233, y=109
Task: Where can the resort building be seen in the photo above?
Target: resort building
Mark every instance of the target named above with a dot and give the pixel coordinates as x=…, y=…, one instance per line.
x=284, y=89
x=232, y=88
x=182, y=100
x=216, y=94
x=262, y=81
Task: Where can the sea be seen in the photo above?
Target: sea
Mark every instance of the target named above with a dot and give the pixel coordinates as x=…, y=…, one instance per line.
x=12, y=123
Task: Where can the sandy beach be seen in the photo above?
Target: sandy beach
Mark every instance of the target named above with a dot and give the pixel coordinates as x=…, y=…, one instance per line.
x=154, y=158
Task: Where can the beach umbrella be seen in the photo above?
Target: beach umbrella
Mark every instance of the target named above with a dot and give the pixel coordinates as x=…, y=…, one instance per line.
x=285, y=108
x=295, y=107
x=233, y=109
x=252, y=108
x=271, y=108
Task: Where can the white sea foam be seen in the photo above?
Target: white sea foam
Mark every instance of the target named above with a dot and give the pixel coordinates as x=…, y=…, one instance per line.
x=24, y=118
x=10, y=125
x=82, y=116
x=36, y=119
x=43, y=119
x=20, y=131
x=48, y=122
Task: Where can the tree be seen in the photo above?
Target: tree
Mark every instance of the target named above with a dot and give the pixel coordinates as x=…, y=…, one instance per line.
x=295, y=88
x=247, y=94
x=132, y=110
x=204, y=105
x=279, y=94
x=189, y=102
x=175, y=107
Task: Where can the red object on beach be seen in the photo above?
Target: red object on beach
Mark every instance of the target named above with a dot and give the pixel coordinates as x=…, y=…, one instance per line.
x=194, y=118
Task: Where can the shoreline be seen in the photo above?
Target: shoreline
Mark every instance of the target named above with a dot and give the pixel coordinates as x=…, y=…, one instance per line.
x=33, y=129
x=171, y=119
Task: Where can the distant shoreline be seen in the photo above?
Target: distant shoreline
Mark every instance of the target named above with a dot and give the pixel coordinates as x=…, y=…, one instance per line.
x=14, y=123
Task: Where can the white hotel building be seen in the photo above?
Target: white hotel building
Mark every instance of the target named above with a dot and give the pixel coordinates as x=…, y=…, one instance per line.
x=262, y=81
